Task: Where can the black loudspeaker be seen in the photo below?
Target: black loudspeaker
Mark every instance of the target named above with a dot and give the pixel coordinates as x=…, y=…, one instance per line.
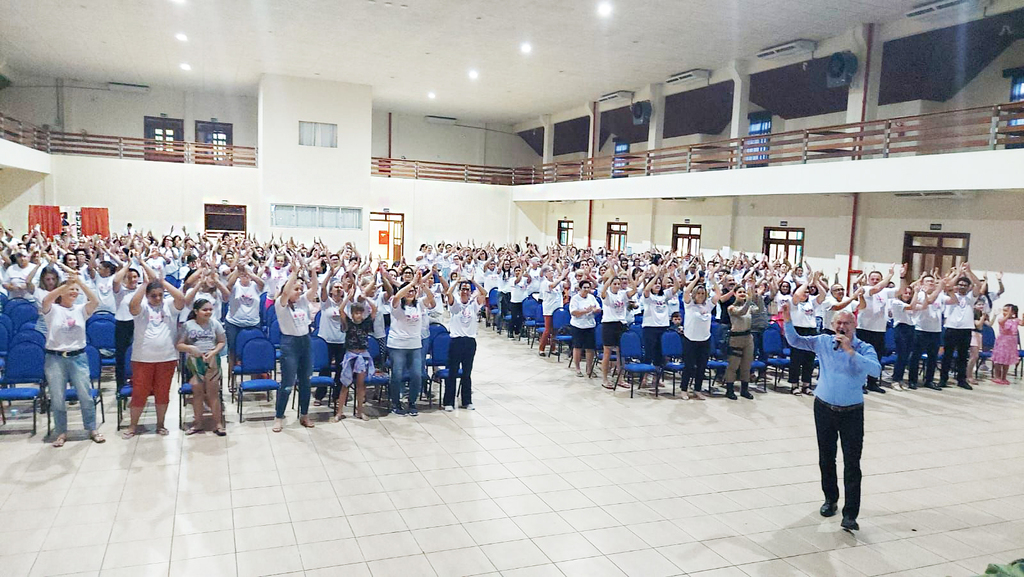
x=641, y=112
x=842, y=66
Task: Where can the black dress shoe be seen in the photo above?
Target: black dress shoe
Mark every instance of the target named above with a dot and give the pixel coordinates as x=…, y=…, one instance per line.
x=912, y=386
x=965, y=386
x=876, y=389
x=850, y=524
x=828, y=509
x=934, y=387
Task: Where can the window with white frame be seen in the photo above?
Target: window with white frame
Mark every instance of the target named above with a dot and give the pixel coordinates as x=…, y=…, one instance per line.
x=306, y=216
x=318, y=134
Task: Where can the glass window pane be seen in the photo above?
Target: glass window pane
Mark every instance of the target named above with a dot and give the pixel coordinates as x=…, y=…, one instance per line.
x=926, y=241
x=777, y=234
x=307, y=133
x=305, y=216
x=329, y=217
x=953, y=242
x=328, y=135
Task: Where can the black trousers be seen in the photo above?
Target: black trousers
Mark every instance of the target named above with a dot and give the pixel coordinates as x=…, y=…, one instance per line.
x=506, y=309
x=695, y=362
x=124, y=334
x=335, y=354
x=848, y=427
x=801, y=362
x=516, y=310
x=460, y=356
x=877, y=340
x=958, y=341
x=924, y=342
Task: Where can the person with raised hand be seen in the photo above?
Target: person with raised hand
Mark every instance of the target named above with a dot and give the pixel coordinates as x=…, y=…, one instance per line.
x=66, y=361
x=293, y=316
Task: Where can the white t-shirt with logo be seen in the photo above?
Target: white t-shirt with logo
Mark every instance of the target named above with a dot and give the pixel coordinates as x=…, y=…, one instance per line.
x=406, y=326
x=463, y=322
x=872, y=318
x=122, y=298
x=104, y=287
x=330, y=322
x=615, y=307
x=697, y=320
x=294, y=319
x=65, y=328
x=961, y=314
x=578, y=303
x=155, y=333
x=551, y=296
x=244, y=305
x=656, y=309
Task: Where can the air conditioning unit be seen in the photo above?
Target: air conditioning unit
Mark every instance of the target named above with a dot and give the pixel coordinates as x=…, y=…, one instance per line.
x=788, y=49
x=127, y=87
x=440, y=119
x=617, y=97
x=697, y=74
x=936, y=195
x=939, y=8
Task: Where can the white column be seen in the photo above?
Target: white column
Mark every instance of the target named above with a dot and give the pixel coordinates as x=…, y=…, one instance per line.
x=657, y=128
x=740, y=75
x=862, y=102
x=549, y=138
x=593, y=144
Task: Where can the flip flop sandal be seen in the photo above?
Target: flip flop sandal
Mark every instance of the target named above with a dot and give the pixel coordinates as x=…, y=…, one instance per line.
x=97, y=437
x=128, y=434
x=193, y=431
x=579, y=374
x=163, y=432
x=306, y=423
x=59, y=441
x=796, y=392
x=607, y=386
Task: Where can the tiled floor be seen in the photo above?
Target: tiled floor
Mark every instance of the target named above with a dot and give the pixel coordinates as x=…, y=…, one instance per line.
x=552, y=475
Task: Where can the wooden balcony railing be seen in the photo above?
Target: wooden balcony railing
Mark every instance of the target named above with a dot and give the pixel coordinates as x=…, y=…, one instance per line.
x=985, y=128
x=55, y=142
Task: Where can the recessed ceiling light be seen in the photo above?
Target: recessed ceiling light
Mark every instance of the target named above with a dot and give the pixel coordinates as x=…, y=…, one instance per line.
x=473, y=75
x=431, y=95
x=181, y=36
x=604, y=9
x=525, y=48
x=185, y=66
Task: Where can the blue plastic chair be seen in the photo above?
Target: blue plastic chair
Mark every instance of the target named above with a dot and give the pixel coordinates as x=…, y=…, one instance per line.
x=381, y=380
x=321, y=361
x=632, y=354
x=7, y=323
x=5, y=341
x=100, y=333
x=257, y=358
x=672, y=350
x=560, y=320
x=31, y=336
x=988, y=340
x=774, y=351
x=245, y=335
x=124, y=394
x=24, y=366
x=530, y=306
x=719, y=360
x=439, y=348
x=23, y=314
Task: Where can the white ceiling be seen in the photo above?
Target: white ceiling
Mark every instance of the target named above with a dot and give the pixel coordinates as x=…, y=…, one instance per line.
x=406, y=52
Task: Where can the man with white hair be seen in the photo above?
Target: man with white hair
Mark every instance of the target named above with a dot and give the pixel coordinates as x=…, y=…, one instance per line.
x=845, y=363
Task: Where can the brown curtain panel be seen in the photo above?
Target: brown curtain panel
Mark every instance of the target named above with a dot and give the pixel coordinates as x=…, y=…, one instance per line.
x=95, y=221
x=47, y=217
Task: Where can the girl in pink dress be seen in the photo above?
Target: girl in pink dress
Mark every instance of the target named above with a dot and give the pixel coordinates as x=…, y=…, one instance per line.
x=1004, y=353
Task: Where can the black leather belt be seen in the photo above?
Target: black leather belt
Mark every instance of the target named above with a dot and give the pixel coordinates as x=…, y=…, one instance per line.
x=739, y=334
x=65, y=354
x=837, y=408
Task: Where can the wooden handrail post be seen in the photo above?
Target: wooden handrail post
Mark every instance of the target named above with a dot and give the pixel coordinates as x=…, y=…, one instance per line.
x=993, y=131
x=416, y=170
x=689, y=158
x=120, y=147
x=465, y=173
x=647, y=169
x=739, y=152
x=887, y=139
x=803, y=147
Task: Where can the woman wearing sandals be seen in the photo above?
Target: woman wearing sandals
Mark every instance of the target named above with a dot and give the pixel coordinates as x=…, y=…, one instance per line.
x=66, y=360
x=202, y=338
x=583, y=307
x=154, y=356
x=615, y=299
x=293, y=317
x=697, y=331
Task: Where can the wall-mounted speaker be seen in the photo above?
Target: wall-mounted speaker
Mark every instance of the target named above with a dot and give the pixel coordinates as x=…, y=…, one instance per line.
x=842, y=67
x=641, y=112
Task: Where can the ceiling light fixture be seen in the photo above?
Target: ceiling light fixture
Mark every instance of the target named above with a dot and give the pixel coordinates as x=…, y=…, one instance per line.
x=431, y=95
x=525, y=48
x=181, y=37
x=473, y=75
x=185, y=66
x=604, y=9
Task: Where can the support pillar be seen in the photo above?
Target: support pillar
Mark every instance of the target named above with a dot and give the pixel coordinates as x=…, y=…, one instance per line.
x=594, y=146
x=549, y=138
x=739, y=73
x=657, y=128
x=862, y=102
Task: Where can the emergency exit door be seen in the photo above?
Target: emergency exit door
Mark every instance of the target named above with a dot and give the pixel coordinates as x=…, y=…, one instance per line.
x=387, y=235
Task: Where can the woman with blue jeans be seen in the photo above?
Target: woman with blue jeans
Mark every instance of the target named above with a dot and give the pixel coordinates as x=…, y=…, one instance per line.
x=902, y=308
x=66, y=360
x=292, y=307
x=405, y=345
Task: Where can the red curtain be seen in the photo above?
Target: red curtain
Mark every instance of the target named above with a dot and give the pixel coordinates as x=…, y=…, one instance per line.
x=95, y=221
x=47, y=217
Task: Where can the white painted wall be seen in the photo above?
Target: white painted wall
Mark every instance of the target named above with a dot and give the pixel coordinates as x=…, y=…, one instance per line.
x=98, y=110
x=465, y=142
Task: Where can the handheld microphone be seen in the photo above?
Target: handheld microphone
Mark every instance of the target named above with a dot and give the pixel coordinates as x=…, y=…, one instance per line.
x=835, y=344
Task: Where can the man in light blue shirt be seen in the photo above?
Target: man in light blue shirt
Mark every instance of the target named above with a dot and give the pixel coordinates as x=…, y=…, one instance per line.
x=845, y=363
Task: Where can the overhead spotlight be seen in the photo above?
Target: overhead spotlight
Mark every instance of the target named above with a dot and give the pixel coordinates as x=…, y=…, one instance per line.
x=473, y=75
x=525, y=48
x=185, y=66
x=604, y=9
x=181, y=36
x=431, y=95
